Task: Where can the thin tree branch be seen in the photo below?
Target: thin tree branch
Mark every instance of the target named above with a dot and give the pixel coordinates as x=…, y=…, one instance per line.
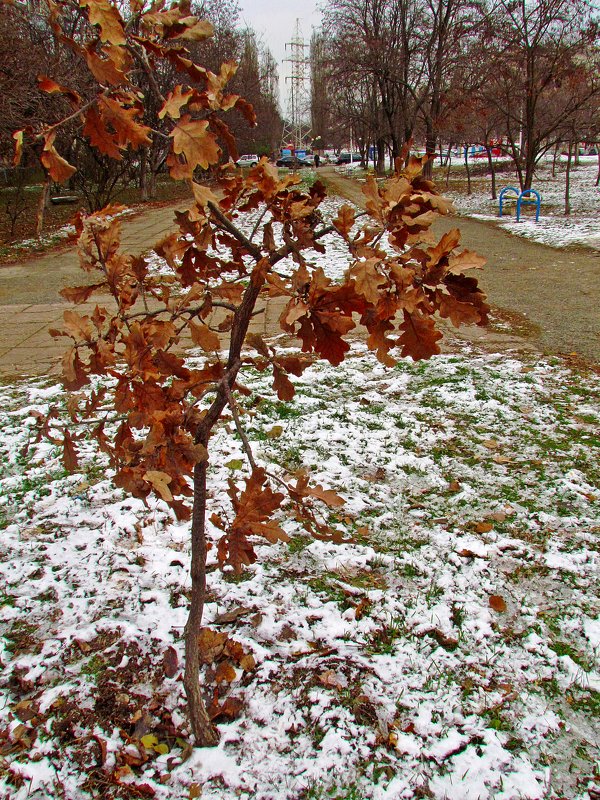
x=141, y=55
x=75, y=114
x=236, y=418
x=193, y=311
x=258, y=222
x=228, y=225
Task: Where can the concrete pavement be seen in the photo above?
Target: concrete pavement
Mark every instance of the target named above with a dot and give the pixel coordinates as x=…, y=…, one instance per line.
x=30, y=303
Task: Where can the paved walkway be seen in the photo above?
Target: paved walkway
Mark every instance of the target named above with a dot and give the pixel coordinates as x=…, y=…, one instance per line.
x=556, y=293
x=26, y=348
x=25, y=313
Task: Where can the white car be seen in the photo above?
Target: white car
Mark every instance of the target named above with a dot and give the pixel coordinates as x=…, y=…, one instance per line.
x=247, y=160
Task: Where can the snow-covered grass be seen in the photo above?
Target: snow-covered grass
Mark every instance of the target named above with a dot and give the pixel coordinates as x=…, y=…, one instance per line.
x=26, y=246
x=448, y=648
x=334, y=262
x=581, y=227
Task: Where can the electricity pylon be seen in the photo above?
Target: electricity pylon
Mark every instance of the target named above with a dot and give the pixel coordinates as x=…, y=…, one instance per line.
x=296, y=130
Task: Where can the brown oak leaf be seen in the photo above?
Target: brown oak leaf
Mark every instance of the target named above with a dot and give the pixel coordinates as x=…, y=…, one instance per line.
x=19, y=137
x=225, y=673
x=211, y=644
x=160, y=483
x=193, y=140
x=99, y=135
x=46, y=84
x=106, y=15
x=79, y=328
x=205, y=338
x=459, y=313
x=175, y=101
x=58, y=168
x=70, y=461
x=105, y=70
x=468, y=259
x=123, y=120
x=170, y=662
x=367, y=279
x=419, y=336
x=74, y=375
x=79, y=294
x=282, y=384
x=344, y=220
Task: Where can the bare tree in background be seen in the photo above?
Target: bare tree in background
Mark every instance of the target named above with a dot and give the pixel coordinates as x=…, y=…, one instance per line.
x=541, y=72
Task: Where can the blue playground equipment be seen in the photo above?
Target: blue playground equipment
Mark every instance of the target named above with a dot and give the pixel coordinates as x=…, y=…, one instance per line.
x=522, y=198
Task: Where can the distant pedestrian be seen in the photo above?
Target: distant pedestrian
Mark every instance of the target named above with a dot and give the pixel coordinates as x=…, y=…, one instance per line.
x=317, y=159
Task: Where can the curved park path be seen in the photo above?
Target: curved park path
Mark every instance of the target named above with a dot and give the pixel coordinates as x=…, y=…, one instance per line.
x=552, y=296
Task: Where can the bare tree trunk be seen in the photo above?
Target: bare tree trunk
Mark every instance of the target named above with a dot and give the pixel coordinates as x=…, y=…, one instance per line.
x=598, y=175
x=430, y=148
x=448, y=165
x=41, y=210
x=554, y=158
x=568, y=181
x=380, y=156
x=520, y=175
x=205, y=734
x=529, y=167
x=488, y=150
x=144, y=176
x=16, y=204
x=448, y=159
x=468, y=168
x=152, y=185
x=516, y=155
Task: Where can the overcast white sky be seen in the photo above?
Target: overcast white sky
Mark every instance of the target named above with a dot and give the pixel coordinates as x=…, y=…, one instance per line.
x=275, y=22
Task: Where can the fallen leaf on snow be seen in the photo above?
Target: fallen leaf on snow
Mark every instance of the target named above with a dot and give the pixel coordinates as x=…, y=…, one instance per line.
x=333, y=679
x=497, y=602
x=247, y=662
x=466, y=553
x=225, y=673
x=211, y=643
x=170, y=662
x=483, y=527
x=447, y=642
x=491, y=444
x=231, y=616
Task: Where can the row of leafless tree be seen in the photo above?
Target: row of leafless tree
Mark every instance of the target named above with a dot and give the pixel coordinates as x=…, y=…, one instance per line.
x=28, y=50
x=443, y=72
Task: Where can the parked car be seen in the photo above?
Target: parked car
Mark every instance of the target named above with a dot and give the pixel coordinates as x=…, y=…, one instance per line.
x=247, y=160
x=293, y=162
x=347, y=158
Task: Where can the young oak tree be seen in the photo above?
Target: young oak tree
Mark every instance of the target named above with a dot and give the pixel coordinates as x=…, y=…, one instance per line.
x=151, y=413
